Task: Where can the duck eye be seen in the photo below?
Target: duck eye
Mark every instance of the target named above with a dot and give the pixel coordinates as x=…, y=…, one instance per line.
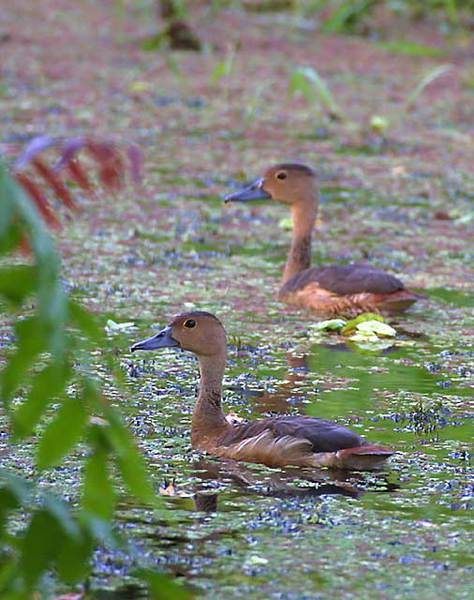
x=281, y=175
x=190, y=323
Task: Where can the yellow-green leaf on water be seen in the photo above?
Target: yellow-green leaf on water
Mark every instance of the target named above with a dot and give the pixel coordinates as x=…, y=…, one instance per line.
x=256, y=561
x=378, y=124
x=351, y=326
x=375, y=328
x=329, y=325
x=113, y=327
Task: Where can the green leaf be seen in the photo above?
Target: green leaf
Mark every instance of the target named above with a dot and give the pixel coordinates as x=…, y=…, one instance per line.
x=6, y=208
x=40, y=546
x=308, y=82
x=31, y=340
x=73, y=564
x=377, y=328
x=98, y=491
x=329, y=325
x=85, y=321
x=425, y=82
x=62, y=433
x=129, y=459
x=347, y=15
x=351, y=326
x=11, y=238
x=154, y=42
x=17, y=282
x=47, y=385
x=162, y=587
x=409, y=48
x=60, y=511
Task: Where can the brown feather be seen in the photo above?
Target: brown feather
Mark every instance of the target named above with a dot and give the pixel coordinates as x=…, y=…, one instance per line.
x=346, y=280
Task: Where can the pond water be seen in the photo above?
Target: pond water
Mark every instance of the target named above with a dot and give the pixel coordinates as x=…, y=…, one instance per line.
x=239, y=529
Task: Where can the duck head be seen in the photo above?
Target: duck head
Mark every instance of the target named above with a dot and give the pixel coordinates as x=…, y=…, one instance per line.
x=288, y=183
x=198, y=331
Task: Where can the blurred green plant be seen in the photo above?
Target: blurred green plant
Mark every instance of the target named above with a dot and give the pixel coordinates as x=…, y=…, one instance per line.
x=424, y=82
x=48, y=389
x=315, y=90
x=311, y=85
x=352, y=16
x=225, y=67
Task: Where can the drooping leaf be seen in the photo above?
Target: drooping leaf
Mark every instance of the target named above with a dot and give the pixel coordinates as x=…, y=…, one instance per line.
x=31, y=340
x=308, y=82
x=111, y=166
x=98, y=491
x=17, y=282
x=79, y=175
x=60, y=511
x=39, y=198
x=33, y=149
x=85, y=321
x=40, y=546
x=424, y=83
x=59, y=188
x=73, y=564
x=130, y=461
x=47, y=385
x=161, y=587
x=63, y=433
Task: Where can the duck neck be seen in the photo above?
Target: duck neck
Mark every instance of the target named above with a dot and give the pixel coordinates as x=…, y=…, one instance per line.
x=304, y=217
x=208, y=416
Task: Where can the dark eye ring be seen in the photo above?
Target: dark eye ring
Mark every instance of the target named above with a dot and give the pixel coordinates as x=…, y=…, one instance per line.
x=281, y=175
x=190, y=323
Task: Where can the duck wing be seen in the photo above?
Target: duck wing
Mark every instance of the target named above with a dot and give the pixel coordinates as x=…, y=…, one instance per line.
x=317, y=435
x=345, y=280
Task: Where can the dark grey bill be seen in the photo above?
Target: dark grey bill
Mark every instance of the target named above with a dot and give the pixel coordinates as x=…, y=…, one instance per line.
x=163, y=339
x=252, y=192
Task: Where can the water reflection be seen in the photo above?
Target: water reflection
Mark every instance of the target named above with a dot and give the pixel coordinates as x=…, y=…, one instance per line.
x=282, y=400
x=291, y=482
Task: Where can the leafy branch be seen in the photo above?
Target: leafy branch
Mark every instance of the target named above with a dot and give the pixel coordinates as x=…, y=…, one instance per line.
x=41, y=370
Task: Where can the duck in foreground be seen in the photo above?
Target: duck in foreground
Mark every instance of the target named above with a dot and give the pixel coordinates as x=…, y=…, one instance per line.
x=333, y=289
x=276, y=441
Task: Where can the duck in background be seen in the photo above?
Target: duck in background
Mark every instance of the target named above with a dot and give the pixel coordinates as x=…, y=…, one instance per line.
x=329, y=290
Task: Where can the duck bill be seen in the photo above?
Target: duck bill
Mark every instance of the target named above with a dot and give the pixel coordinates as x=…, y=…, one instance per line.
x=251, y=193
x=162, y=339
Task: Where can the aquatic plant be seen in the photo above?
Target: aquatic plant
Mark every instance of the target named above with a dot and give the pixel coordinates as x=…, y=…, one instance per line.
x=48, y=389
x=46, y=184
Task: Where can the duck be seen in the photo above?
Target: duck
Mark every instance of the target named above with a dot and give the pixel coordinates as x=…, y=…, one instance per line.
x=277, y=441
x=328, y=290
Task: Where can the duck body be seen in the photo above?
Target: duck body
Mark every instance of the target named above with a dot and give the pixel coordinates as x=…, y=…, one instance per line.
x=297, y=441
x=280, y=441
x=347, y=289
x=329, y=290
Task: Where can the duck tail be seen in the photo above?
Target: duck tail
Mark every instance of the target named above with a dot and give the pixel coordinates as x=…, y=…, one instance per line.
x=399, y=301
x=363, y=458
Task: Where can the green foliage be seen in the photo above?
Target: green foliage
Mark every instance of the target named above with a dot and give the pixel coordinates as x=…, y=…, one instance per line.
x=352, y=16
x=425, y=81
x=312, y=86
x=409, y=48
x=348, y=15
x=224, y=67
x=39, y=371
